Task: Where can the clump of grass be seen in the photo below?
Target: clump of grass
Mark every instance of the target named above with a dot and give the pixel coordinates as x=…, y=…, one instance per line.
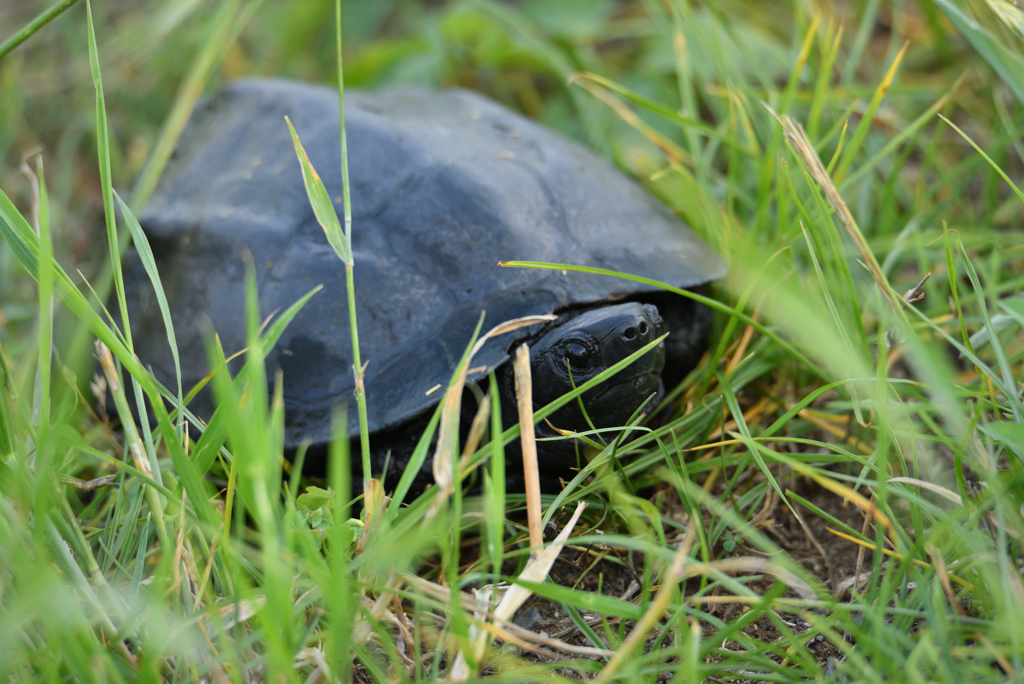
x=837, y=494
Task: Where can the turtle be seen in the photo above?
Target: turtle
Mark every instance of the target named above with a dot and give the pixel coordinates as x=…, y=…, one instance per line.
x=444, y=185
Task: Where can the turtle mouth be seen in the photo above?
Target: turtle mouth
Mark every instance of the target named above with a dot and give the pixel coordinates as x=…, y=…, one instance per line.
x=635, y=382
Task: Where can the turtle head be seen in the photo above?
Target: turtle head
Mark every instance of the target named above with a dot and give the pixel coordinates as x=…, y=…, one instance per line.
x=582, y=347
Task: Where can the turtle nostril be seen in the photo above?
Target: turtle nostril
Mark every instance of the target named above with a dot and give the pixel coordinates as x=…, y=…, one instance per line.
x=643, y=327
x=630, y=334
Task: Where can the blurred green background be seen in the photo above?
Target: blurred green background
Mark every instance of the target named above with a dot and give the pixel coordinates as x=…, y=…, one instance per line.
x=520, y=53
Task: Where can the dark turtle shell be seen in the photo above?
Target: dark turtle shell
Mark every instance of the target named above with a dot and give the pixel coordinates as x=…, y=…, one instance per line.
x=443, y=184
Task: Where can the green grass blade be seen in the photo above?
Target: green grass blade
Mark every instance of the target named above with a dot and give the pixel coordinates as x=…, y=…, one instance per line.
x=132, y=441
x=416, y=461
x=41, y=405
x=991, y=162
x=19, y=236
x=861, y=132
x=339, y=593
x=6, y=417
x=103, y=150
x=1007, y=64
x=585, y=600
x=211, y=442
x=830, y=48
x=1007, y=380
x=358, y=367
x=668, y=114
x=321, y=202
x=906, y=133
x=755, y=450
x=33, y=26
x=270, y=338
x=45, y=300
x=494, y=485
x=149, y=263
x=210, y=54
x=706, y=301
x=860, y=42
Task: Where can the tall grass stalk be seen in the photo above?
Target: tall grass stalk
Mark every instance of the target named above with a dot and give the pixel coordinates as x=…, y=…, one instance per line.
x=357, y=365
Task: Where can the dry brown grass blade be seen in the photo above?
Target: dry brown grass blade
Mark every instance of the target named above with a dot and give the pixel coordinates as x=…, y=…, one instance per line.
x=540, y=644
x=591, y=83
x=84, y=485
x=536, y=570
x=131, y=432
x=741, y=348
x=858, y=500
x=503, y=628
x=376, y=609
x=953, y=497
x=842, y=434
x=658, y=605
x=236, y=612
x=805, y=150
x=221, y=33
x=931, y=487
x=751, y=565
x=461, y=671
x=499, y=622
x=764, y=516
x=531, y=473
x=894, y=554
x=509, y=630
x=476, y=431
x=375, y=503
x=940, y=570
x=444, y=455
x=996, y=655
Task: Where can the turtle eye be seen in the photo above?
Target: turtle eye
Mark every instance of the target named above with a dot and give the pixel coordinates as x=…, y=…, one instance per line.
x=578, y=356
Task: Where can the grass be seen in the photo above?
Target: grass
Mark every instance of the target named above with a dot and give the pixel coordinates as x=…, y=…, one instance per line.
x=838, y=496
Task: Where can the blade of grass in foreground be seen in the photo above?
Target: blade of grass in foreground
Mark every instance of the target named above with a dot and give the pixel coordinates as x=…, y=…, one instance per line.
x=340, y=240
x=25, y=245
x=357, y=365
x=191, y=480
x=33, y=26
x=338, y=593
x=103, y=149
x=6, y=422
x=149, y=263
x=706, y=301
x=44, y=450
